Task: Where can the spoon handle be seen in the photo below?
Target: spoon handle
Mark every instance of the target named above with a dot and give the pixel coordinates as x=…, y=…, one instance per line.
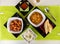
x=52, y=16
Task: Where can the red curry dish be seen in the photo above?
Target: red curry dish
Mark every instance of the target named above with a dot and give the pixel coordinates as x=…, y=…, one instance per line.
x=15, y=25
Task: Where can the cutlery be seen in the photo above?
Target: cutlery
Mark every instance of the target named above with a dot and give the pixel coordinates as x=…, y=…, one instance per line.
x=48, y=11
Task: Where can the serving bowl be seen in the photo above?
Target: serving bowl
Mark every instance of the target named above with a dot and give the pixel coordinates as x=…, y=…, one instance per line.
x=9, y=23
x=42, y=17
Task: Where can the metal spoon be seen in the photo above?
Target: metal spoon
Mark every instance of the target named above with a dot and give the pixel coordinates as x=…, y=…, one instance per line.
x=48, y=11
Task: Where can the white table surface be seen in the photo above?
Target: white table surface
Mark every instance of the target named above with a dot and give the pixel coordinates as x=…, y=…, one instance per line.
x=33, y=42
x=42, y=2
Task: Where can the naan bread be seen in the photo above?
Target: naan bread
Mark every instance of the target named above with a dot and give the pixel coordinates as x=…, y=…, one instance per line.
x=50, y=27
x=47, y=26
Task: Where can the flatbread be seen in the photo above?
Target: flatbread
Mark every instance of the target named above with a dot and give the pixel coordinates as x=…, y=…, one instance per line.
x=47, y=26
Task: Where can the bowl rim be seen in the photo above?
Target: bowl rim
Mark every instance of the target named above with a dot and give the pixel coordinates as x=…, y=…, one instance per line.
x=8, y=24
x=36, y=10
x=34, y=2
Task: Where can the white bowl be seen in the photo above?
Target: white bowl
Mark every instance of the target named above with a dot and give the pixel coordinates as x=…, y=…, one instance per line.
x=36, y=10
x=8, y=24
x=27, y=32
x=37, y=3
x=34, y=3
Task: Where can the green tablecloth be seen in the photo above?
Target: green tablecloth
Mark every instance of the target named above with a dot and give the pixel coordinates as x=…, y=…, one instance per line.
x=11, y=10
